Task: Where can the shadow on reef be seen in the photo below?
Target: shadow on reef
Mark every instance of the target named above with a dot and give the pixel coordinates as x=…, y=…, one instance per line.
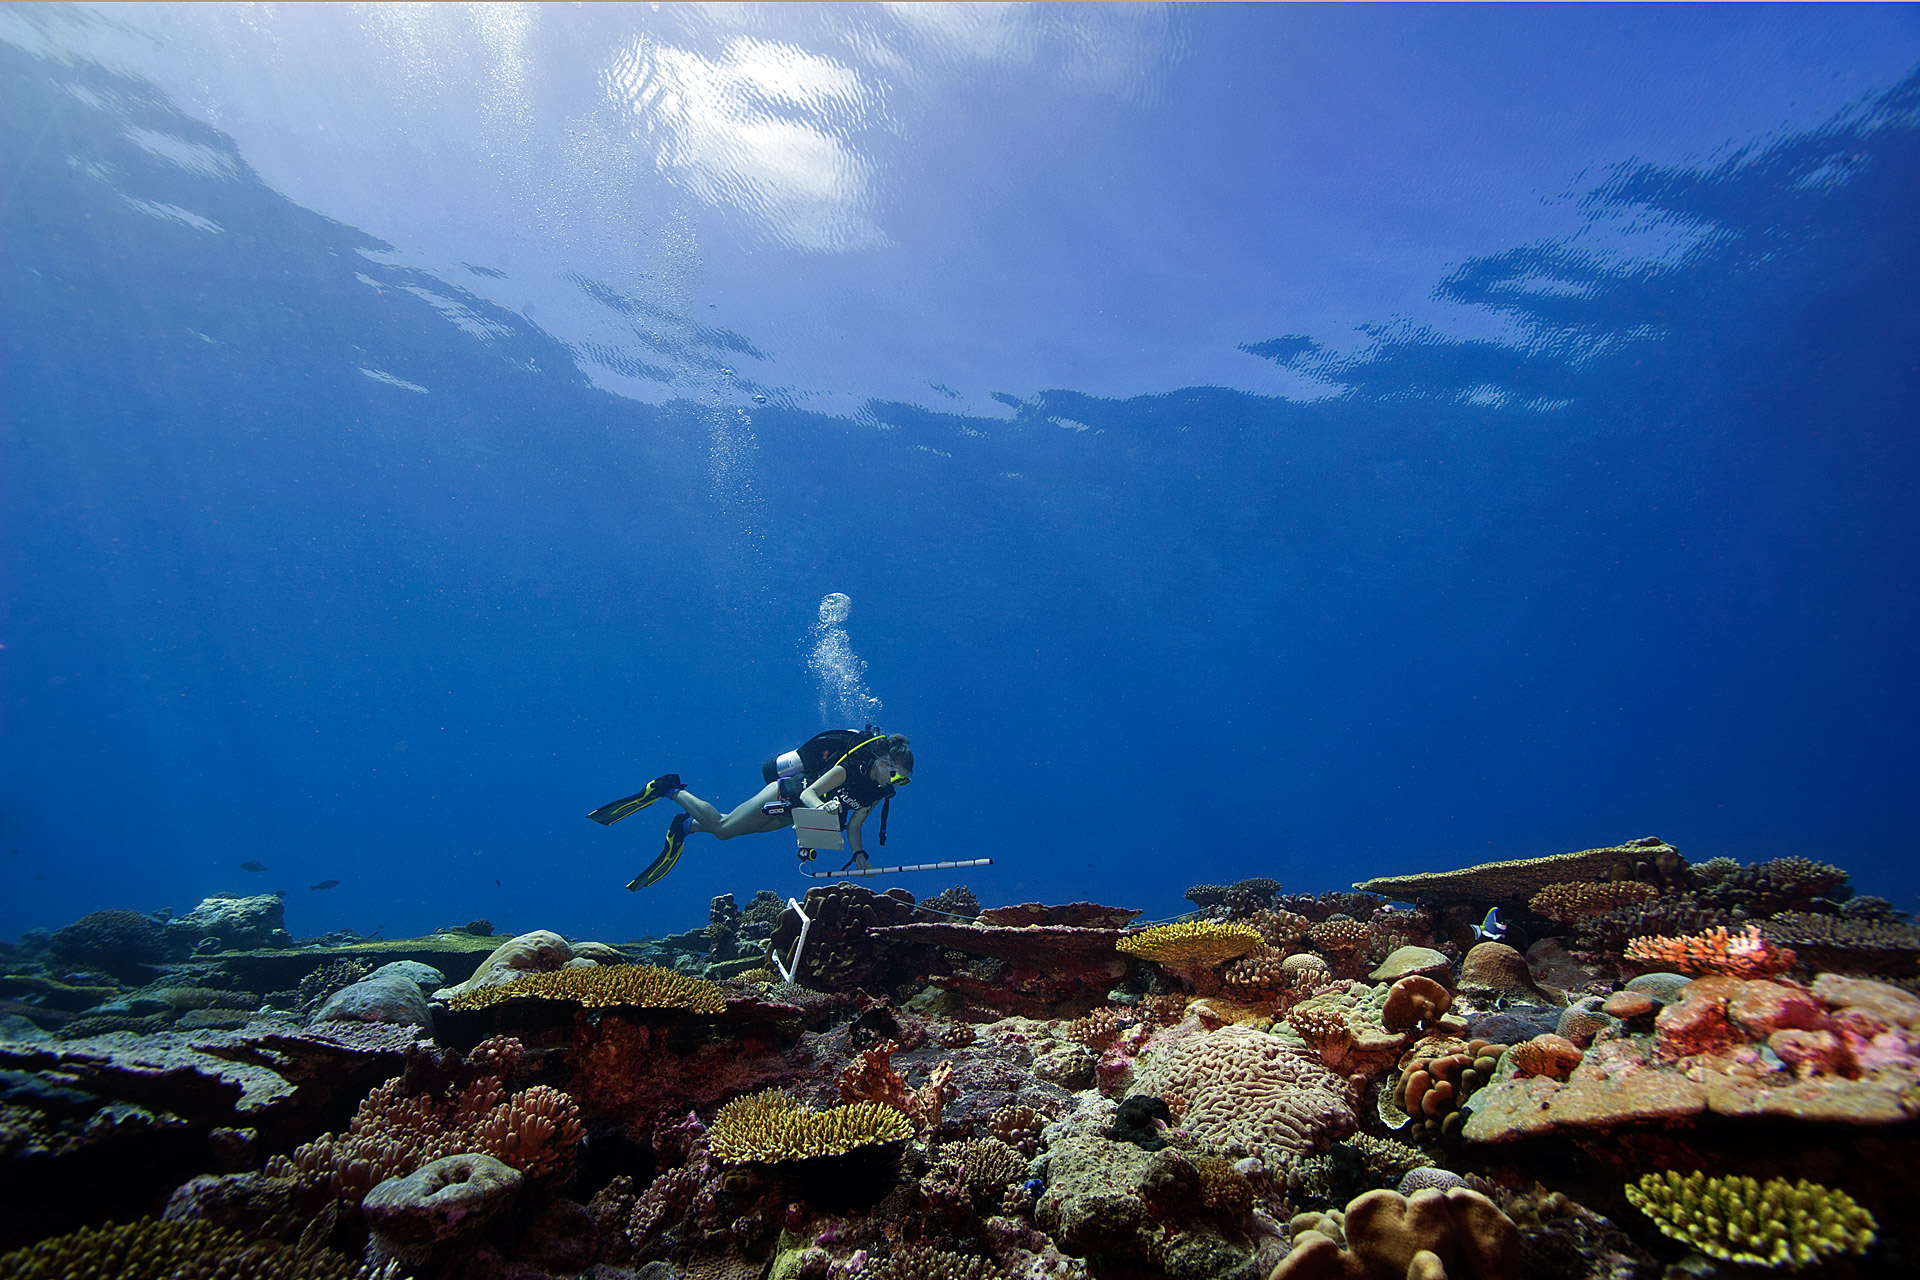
x=1278, y=1085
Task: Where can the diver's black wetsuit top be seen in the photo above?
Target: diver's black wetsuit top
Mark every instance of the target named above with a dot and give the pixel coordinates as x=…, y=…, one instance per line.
x=824, y=750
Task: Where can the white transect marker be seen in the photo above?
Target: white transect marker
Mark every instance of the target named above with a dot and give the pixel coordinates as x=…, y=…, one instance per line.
x=792, y=966
x=887, y=871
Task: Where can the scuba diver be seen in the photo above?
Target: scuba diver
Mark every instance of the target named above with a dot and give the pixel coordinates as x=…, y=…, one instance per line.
x=847, y=771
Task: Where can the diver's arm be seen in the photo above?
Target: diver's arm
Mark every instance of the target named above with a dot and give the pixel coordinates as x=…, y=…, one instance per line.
x=853, y=829
x=827, y=783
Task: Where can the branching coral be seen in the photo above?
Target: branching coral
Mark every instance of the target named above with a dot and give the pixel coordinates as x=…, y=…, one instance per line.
x=1771, y=1224
x=771, y=1127
x=1338, y=934
x=1743, y=955
x=602, y=986
x=913, y=1263
x=1571, y=900
x=394, y=1131
x=151, y=1249
x=1848, y=944
x=873, y=1079
x=1780, y=884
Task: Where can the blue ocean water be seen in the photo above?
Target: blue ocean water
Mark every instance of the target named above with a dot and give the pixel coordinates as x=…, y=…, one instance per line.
x=1302, y=442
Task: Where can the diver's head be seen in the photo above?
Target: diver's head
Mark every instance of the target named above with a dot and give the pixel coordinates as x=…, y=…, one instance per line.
x=895, y=767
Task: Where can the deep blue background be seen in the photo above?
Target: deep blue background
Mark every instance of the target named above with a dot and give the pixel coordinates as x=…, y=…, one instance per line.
x=1645, y=568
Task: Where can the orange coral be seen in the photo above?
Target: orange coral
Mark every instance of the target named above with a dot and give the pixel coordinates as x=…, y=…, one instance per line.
x=1741, y=955
x=873, y=1079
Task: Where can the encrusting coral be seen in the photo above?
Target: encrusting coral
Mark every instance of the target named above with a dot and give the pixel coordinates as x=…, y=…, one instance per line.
x=151, y=1249
x=1770, y=1224
x=603, y=986
x=771, y=1127
x=1741, y=955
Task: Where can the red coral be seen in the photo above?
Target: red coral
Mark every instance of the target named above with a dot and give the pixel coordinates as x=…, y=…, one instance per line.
x=873, y=1079
x=1743, y=955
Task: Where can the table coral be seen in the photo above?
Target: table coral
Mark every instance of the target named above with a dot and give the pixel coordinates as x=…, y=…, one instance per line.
x=604, y=986
x=1191, y=944
x=1770, y=1224
x=771, y=1127
x=1248, y=1090
x=1779, y=884
x=1746, y=954
x=1511, y=883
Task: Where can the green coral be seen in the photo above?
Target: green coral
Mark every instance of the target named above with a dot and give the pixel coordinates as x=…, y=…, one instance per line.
x=1770, y=1224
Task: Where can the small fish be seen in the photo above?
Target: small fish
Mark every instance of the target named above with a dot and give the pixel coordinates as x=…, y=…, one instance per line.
x=324, y=884
x=1490, y=929
x=496, y=884
x=251, y=866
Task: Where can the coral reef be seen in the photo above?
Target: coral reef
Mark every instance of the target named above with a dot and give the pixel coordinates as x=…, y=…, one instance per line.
x=1024, y=1092
x=1769, y=1224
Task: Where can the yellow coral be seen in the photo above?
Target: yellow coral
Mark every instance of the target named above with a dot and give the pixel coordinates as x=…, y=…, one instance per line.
x=151, y=1249
x=771, y=1126
x=1771, y=1224
x=1191, y=944
x=604, y=985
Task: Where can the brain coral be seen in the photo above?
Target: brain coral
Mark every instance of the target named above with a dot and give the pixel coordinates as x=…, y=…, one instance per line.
x=770, y=1127
x=1248, y=1089
x=1771, y=1224
x=155, y=1250
x=1191, y=944
x=602, y=986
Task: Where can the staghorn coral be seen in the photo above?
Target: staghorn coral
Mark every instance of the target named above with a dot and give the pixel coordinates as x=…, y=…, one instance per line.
x=1190, y=944
x=151, y=1249
x=1250, y=1090
x=603, y=986
x=1771, y=1224
x=771, y=1127
x=1571, y=900
x=1743, y=955
x=1779, y=884
x=1257, y=977
x=1099, y=1029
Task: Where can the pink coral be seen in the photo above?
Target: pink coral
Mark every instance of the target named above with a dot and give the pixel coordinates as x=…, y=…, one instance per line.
x=1742, y=955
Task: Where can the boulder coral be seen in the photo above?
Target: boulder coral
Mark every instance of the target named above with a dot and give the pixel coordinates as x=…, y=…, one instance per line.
x=1456, y=1234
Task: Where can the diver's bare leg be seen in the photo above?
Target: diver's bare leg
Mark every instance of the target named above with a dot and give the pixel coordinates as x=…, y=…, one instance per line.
x=747, y=820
